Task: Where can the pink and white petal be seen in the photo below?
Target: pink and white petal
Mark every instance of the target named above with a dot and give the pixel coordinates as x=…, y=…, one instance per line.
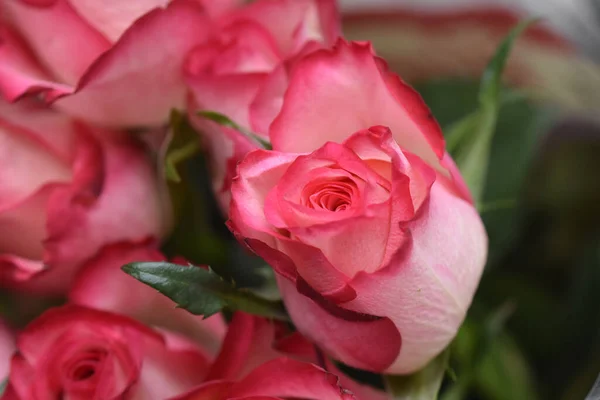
x=351, y=245
x=258, y=173
x=26, y=164
x=230, y=95
x=22, y=232
x=287, y=378
x=455, y=182
x=348, y=83
x=367, y=344
x=113, y=17
x=249, y=343
x=48, y=128
x=170, y=368
x=246, y=47
x=321, y=25
x=280, y=18
x=20, y=73
x=268, y=101
x=293, y=259
x=132, y=298
x=76, y=212
x=140, y=79
x=17, y=269
x=329, y=20
x=64, y=43
x=427, y=287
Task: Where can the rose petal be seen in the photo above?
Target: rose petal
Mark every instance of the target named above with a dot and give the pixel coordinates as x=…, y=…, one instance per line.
x=249, y=342
x=20, y=150
x=427, y=288
x=139, y=80
x=370, y=345
x=293, y=22
x=268, y=101
x=242, y=48
x=258, y=173
x=20, y=73
x=350, y=78
x=113, y=17
x=285, y=377
x=75, y=211
x=63, y=42
x=22, y=231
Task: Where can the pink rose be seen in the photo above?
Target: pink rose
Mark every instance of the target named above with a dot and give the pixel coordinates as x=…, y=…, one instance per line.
x=227, y=74
x=113, y=62
x=259, y=359
x=66, y=190
x=130, y=297
x=79, y=353
x=372, y=232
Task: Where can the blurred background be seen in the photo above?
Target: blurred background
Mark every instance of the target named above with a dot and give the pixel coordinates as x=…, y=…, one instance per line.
x=534, y=329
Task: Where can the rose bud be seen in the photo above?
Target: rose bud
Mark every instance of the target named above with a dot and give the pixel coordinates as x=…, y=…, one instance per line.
x=66, y=190
x=373, y=235
x=79, y=353
x=226, y=74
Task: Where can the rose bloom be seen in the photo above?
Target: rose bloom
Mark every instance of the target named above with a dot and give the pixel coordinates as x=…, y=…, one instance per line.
x=79, y=353
x=116, y=62
x=371, y=230
x=261, y=359
x=128, y=296
x=66, y=190
x=227, y=74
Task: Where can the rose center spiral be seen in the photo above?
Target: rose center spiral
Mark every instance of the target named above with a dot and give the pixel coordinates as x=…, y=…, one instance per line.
x=86, y=365
x=329, y=194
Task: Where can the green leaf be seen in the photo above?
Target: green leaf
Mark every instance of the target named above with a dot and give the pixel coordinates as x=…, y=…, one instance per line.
x=503, y=373
x=201, y=291
x=470, y=139
x=3, y=386
x=182, y=144
x=422, y=385
x=226, y=121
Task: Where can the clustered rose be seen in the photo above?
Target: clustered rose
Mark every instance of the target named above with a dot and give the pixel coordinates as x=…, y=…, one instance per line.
x=357, y=207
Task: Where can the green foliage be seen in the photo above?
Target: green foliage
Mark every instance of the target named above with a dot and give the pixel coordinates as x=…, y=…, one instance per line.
x=201, y=291
x=519, y=127
x=182, y=144
x=193, y=237
x=226, y=121
x=489, y=362
x=470, y=139
x=422, y=385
